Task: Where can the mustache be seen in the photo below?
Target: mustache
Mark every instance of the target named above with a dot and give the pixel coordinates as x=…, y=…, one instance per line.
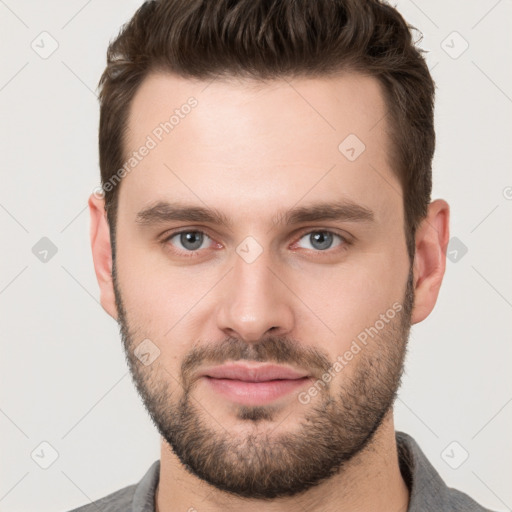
x=271, y=349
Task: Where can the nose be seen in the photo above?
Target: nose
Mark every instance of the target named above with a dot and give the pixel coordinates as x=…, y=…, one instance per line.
x=255, y=302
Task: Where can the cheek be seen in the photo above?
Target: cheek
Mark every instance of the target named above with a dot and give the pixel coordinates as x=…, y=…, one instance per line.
x=165, y=303
x=347, y=299
x=154, y=290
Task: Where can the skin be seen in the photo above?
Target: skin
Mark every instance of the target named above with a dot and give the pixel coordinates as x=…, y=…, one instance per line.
x=252, y=152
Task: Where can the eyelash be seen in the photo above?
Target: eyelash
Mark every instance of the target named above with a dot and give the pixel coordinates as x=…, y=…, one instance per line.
x=193, y=254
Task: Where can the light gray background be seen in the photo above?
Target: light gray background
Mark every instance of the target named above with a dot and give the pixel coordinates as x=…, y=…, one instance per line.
x=63, y=376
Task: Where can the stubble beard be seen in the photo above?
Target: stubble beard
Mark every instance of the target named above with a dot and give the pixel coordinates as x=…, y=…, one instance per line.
x=266, y=463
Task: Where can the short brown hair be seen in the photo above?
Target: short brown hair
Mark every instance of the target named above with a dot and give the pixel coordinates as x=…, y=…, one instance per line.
x=266, y=39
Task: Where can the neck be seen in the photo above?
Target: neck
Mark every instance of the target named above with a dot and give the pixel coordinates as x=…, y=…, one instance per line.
x=371, y=481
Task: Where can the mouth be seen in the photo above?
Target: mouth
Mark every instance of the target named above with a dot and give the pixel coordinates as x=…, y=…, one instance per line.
x=254, y=385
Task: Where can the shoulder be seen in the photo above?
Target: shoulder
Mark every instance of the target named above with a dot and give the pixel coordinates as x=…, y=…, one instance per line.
x=137, y=497
x=118, y=501
x=428, y=492
x=461, y=502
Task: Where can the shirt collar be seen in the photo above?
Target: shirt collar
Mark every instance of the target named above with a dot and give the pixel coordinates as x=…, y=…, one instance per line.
x=418, y=473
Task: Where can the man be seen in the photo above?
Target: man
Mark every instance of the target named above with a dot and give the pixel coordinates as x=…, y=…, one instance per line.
x=265, y=238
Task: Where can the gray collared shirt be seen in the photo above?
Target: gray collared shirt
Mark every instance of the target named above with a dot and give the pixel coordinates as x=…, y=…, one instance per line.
x=428, y=492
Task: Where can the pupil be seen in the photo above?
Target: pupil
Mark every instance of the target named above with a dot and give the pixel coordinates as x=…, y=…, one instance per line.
x=191, y=239
x=321, y=240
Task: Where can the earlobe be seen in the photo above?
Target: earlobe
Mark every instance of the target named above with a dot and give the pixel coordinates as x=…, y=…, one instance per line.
x=432, y=238
x=102, y=253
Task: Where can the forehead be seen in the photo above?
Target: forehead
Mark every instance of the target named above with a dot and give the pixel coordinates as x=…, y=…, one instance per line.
x=331, y=107
x=258, y=146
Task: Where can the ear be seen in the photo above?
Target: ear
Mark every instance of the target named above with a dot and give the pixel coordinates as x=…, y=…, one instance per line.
x=432, y=238
x=102, y=253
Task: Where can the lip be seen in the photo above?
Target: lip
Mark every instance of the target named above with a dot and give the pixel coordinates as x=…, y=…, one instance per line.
x=254, y=385
x=253, y=373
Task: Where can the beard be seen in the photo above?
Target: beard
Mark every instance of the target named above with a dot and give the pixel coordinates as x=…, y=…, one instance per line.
x=339, y=422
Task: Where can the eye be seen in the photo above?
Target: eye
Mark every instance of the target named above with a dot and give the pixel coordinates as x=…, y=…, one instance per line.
x=321, y=240
x=188, y=241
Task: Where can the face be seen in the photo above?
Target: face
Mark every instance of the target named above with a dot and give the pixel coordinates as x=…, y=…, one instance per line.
x=252, y=231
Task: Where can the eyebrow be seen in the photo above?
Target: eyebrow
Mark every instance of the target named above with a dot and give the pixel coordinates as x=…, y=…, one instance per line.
x=162, y=211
